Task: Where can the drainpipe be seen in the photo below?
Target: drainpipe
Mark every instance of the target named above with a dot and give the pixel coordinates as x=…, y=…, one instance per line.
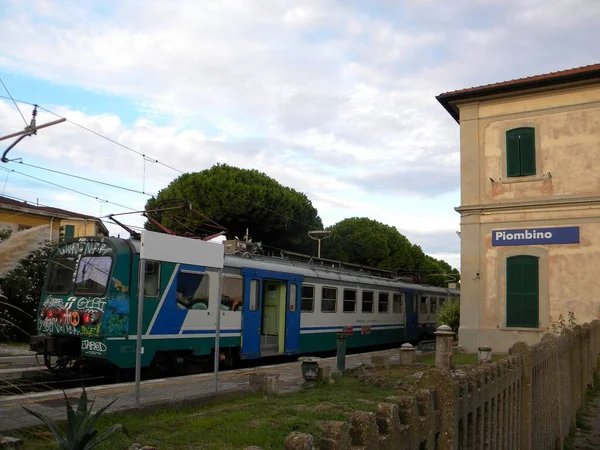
x=51, y=221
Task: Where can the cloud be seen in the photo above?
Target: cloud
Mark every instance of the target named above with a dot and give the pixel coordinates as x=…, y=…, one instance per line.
x=334, y=98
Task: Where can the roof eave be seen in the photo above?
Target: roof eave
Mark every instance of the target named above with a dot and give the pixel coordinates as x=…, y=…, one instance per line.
x=448, y=100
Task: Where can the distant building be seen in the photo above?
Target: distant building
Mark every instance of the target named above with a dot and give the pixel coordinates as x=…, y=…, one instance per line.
x=22, y=215
x=530, y=205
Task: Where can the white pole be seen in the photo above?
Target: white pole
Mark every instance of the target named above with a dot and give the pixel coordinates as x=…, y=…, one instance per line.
x=218, y=330
x=140, y=323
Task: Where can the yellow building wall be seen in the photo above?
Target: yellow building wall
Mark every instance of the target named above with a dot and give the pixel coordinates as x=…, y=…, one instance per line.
x=564, y=192
x=82, y=228
x=15, y=218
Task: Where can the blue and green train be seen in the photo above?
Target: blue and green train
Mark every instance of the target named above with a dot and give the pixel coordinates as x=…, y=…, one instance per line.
x=268, y=306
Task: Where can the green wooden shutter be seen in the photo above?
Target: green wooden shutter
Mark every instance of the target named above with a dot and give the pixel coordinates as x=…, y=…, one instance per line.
x=522, y=291
x=527, y=151
x=513, y=160
x=69, y=231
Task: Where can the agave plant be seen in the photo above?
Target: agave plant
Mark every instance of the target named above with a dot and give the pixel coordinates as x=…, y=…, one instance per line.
x=81, y=434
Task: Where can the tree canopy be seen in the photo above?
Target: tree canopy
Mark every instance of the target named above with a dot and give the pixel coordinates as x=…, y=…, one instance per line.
x=371, y=243
x=276, y=215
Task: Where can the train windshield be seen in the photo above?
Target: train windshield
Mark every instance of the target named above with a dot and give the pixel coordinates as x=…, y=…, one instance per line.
x=89, y=277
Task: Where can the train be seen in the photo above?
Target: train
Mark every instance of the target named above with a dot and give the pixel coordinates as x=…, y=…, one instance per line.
x=268, y=305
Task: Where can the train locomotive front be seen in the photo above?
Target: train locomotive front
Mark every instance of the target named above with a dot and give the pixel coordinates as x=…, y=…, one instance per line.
x=85, y=301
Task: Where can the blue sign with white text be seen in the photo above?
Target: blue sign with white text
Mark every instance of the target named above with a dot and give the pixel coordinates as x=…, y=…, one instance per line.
x=536, y=236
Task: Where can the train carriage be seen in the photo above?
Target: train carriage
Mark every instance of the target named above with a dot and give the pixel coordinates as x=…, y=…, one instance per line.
x=268, y=306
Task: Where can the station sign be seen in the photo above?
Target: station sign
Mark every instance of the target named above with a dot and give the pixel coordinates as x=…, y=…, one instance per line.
x=535, y=236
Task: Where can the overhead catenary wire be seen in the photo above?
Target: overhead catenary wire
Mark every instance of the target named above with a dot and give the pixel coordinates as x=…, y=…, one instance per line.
x=16, y=106
x=68, y=189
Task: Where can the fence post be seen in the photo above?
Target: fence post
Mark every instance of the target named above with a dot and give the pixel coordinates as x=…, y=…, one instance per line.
x=444, y=343
x=578, y=392
x=554, y=392
x=586, y=356
x=521, y=348
x=407, y=354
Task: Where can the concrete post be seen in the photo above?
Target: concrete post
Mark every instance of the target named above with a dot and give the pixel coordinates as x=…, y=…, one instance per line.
x=444, y=342
x=407, y=354
x=484, y=354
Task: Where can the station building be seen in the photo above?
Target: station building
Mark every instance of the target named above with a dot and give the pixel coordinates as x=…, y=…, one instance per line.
x=530, y=205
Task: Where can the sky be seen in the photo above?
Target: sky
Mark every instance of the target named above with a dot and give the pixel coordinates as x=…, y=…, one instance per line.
x=335, y=99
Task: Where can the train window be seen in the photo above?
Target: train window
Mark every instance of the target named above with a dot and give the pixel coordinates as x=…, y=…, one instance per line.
x=383, y=305
x=433, y=305
x=397, y=304
x=254, y=290
x=349, y=300
x=442, y=302
x=423, y=305
x=328, y=299
x=61, y=275
x=232, y=289
x=293, y=296
x=92, y=275
x=152, y=279
x=367, y=301
x=308, y=298
x=192, y=290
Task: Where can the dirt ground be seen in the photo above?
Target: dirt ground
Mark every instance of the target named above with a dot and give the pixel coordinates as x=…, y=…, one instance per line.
x=589, y=438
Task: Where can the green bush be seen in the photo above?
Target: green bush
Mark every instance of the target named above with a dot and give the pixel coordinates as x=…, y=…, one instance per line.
x=449, y=315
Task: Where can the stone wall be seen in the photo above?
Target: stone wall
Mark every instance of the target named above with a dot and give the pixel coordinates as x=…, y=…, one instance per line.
x=527, y=400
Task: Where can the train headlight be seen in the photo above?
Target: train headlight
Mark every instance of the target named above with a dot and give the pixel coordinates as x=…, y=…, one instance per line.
x=50, y=314
x=74, y=318
x=86, y=318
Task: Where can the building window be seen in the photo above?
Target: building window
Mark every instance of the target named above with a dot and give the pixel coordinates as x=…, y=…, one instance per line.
x=308, y=298
x=520, y=152
x=328, y=299
x=367, y=301
x=349, y=300
x=383, y=305
x=522, y=291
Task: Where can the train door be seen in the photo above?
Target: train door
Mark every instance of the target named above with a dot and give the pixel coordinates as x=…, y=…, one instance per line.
x=292, y=319
x=412, y=317
x=251, y=318
x=270, y=315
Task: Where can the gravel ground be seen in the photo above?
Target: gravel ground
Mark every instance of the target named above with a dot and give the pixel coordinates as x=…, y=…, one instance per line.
x=14, y=350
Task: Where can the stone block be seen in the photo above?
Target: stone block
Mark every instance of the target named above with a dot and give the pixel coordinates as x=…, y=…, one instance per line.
x=335, y=436
x=268, y=383
x=363, y=430
x=324, y=373
x=380, y=361
x=298, y=441
x=407, y=354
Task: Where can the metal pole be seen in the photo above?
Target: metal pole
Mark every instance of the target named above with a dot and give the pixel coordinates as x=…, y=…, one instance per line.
x=319, y=249
x=140, y=324
x=30, y=130
x=218, y=330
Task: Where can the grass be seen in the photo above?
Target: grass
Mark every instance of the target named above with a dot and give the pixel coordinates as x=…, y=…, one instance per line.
x=253, y=420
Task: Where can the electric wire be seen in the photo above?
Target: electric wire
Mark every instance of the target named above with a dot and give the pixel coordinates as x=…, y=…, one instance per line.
x=85, y=178
x=69, y=189
x=16, y=106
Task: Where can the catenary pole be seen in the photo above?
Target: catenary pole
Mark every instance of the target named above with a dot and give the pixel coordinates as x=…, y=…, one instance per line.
x=140, y=322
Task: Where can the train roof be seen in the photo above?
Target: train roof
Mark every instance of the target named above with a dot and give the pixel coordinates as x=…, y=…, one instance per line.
x=321, y=269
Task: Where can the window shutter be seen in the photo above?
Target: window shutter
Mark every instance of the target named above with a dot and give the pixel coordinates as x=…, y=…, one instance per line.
x=514, y=286
x=522, y=291
x=527, y=151
x=513, y=164
x=69, y=231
